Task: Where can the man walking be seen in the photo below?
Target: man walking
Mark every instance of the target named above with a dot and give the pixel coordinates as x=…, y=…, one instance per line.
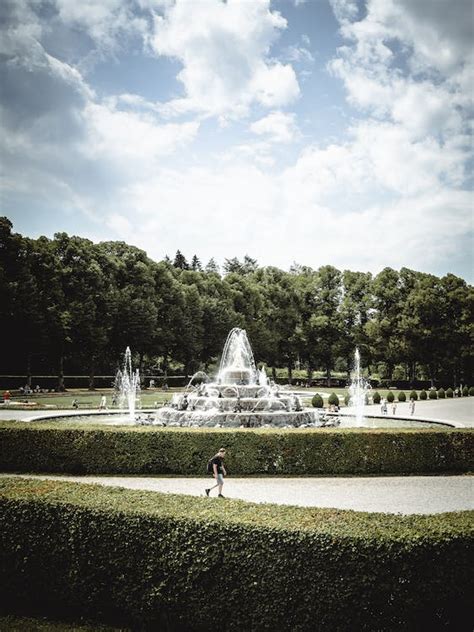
x=216, y=465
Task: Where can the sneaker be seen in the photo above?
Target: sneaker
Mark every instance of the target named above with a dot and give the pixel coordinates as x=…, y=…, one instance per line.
x=207, y=491
x=221, y=496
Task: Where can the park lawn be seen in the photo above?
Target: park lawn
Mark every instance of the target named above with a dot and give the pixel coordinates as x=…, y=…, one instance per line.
x=150, y=398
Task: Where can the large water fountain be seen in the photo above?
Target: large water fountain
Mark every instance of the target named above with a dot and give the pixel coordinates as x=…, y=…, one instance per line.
x=239, y=396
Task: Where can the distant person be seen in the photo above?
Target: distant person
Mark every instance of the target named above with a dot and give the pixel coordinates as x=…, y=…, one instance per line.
x=412, y=406
x=103, y=403
x=216, y=468
x=152, y=383
x=394, y=408
x=6, y=397
x=75, y=403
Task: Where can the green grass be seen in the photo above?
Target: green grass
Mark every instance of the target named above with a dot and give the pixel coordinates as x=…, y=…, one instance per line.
x=149, y=398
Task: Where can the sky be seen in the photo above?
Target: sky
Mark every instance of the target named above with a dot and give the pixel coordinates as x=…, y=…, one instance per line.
x=311, y=131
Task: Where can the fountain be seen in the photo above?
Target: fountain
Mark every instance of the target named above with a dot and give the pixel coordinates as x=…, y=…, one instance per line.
x=358, y=391
x=127, y=386
x=240, y=396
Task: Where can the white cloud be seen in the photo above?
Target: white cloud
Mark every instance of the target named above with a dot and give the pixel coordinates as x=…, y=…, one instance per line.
x=106, y=22
x=409, y=61
x=278, y=127
x=122, y=137
x=224, y=49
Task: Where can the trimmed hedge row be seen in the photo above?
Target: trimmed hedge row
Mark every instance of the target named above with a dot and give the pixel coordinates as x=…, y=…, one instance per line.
x=280, y=452
x=174, y=563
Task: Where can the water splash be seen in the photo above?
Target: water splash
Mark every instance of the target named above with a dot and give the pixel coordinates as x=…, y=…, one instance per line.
x=237, y=363
x=358, y=390
x=127, y=385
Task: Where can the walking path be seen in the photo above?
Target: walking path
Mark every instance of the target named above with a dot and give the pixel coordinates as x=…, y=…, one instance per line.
x=389, y=494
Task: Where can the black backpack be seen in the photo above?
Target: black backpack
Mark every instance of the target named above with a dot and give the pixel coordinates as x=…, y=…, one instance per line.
x=210, y=468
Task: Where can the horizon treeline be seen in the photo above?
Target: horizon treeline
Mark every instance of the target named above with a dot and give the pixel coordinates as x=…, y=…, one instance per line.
x=70, y=306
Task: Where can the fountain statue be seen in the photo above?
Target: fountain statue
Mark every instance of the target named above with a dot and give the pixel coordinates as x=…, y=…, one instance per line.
x=127, y=386
x=358, y=391
x=240, y=396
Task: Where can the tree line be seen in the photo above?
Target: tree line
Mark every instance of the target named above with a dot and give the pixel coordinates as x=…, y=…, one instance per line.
x=72, y=306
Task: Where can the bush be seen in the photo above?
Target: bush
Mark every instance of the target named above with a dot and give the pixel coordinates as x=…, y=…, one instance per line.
x=449, y=392
x=333, y=400
x=390, y=397
x=153, y=561
x=433, y=394
x=441, y=393
x=347, y=399
x=465, y=391
x=414, y=396
x=471, y=391
x=402, y=397
x=317, y=401
x=423, y=395
x=376, y=397
x=185, y=452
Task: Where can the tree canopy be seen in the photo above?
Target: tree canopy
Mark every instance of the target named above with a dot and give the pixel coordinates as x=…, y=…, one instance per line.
x=69, y=305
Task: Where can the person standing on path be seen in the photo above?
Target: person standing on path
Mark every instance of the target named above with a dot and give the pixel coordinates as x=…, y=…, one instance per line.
x=412, y=406
x=218, y=471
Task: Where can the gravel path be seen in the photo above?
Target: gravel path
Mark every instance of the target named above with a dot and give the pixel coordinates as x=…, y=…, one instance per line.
x=389, y=494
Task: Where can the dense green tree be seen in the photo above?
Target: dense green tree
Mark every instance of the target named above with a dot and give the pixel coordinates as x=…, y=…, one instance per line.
x=69, y=305
x=180, y=261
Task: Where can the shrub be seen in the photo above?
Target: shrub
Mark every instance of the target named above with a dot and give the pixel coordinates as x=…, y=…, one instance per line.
x=449, y=392
x=317, y=401
x=441, y=393
x=402, y=397
x=333, y=400
x=185, y=451
x=390, y=397
x=433, y=394
x=471, y=391
x=414, y=396
x=465, y=391
x=423, y=395
x=347, y=399
x=153, y=561
x=376, y=397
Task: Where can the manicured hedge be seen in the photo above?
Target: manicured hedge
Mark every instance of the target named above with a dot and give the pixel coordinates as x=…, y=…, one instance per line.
x=142, y=450
x=175, y=563
x=317, y=401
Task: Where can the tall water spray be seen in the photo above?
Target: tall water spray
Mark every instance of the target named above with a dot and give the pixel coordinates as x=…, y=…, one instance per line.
x=358, y=390
x=127, y=384
x=237, y=362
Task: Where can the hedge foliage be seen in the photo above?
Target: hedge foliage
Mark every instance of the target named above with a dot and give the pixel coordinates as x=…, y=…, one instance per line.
x=173, y=563
x=471, y=390
x=180, y=451
x=465, y=391
x=414, y=396
x=333, y=399
x=402, y=397
x=423, y=395
x=376, y=397
x=449, y=392
x=433, y=394
x=390, y=397
x=317, y=401
x=441, y=393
